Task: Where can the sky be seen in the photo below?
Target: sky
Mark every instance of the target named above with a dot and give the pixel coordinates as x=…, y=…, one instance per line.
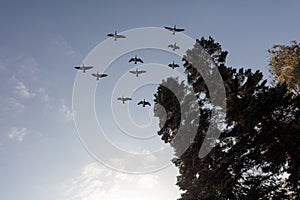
x=43, y=154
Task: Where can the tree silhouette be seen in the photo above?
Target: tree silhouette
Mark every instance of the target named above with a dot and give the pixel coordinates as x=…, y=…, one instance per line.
x=257, y=155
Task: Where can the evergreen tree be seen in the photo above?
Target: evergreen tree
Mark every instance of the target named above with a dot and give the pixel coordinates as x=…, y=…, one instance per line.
x=257, y=155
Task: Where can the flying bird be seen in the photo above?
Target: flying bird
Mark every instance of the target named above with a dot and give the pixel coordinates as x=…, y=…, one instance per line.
x=83, y=68
x=136, y=60
x=98, y=76
x=174, y=46
x=173, y=65
x=137, y=72
x=174, y=29
x=115, y=35
x=144, y=103
x=124, y=99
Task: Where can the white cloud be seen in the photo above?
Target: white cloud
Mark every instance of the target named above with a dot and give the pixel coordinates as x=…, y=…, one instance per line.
x=147, y=181
x=23, y=91
x=127, y=162
x=17, y=135
x=97, y=182
x=68, y=115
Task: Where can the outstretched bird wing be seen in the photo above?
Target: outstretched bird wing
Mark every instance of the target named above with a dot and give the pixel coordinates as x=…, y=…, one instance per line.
x=171, y=45
x=176, y=47
x=83, y=67
x=173, y=65
x=110, y=35
x=141, y=71
x=133, y=72
x=127, y=98
x=179, y=29
x=119, y=98
x=169, y=28
x=120, y=36
x=139, y=60
x=131, y=60
x=139, y=103
x=147, y=103
x=99, y=75
x=87, y=67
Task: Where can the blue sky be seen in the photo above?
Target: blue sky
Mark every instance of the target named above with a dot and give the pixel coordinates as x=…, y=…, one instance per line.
x=41, y=42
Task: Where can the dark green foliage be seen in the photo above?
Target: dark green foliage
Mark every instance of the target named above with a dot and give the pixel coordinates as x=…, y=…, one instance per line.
x=260, y=143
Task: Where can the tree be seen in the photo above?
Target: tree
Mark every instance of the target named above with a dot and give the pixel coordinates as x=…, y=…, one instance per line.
x=285, y=64
x=261, y=141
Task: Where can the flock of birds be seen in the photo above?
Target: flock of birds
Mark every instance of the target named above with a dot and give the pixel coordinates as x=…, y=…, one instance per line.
x=134, y=60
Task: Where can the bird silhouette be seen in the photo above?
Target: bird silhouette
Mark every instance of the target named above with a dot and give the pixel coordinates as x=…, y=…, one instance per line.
x=115, y=35
x=137, y=72
x=124, y=99
x=174, y=46
x=83, y=68
x=174, y=29
x=173, y=65
x=136, y=60
x=144, y=103
x=98, y=76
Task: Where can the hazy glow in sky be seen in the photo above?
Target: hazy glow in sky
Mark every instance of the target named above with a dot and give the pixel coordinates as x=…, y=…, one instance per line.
x=40, y=43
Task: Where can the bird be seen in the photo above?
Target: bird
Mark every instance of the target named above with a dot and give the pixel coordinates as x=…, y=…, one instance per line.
x=173, y=46
x=124, y=99
x=83, y=68
x=98, y=76
x=136, y=60
x=144, y=103
x=174, y=29
x=115, y=35
x=173, y=65
x=137, y=72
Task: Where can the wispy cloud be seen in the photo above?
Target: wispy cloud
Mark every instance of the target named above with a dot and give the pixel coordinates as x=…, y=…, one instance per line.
x=28, y=64
x=17, y=135
x=15, y=105
x=60, y=45
x=97, y=182
x=23, y=91
x=11, y=105
x=24, y=67
x=44, y=96
x=67, y=113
